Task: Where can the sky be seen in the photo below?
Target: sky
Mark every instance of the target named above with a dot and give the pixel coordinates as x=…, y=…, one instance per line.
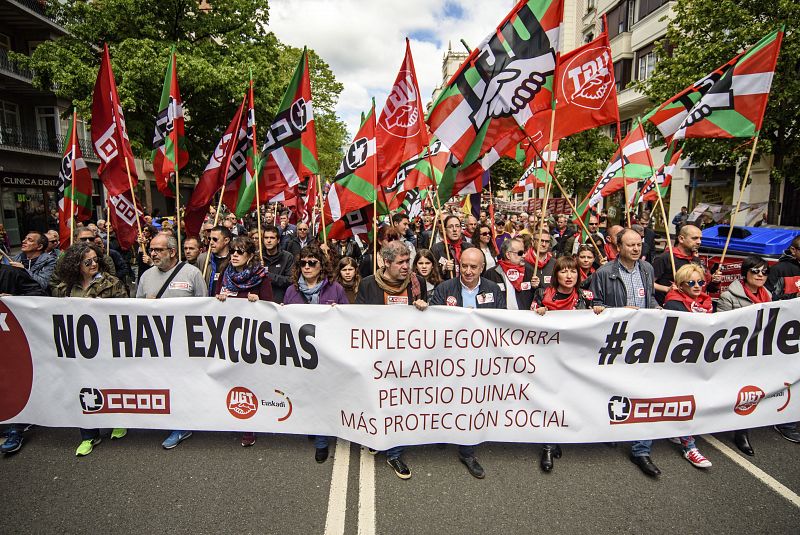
x=363, y=41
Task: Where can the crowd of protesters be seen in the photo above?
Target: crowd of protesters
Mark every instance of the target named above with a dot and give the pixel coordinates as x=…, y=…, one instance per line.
x=529, y=262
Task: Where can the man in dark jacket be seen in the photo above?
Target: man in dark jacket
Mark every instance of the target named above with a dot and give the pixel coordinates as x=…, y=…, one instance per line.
x=513, y=275
x=16, y=281
x=220, y=256
x=686, y=247
x=278, y=263
x=35, y=260
x=627, y=281
x=300, y=240
x=394, y=284
x=783, y=281
x=470, y=290
x=449, y=263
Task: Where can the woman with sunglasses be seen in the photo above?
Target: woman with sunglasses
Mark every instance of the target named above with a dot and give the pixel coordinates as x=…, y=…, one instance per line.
x=314, y=284
x=347, y=275
x=244, y=278
x=561, y=294
x=741, y=293
x=482, y=239
x=83, y=274
x=425, y=266
x=688, y=295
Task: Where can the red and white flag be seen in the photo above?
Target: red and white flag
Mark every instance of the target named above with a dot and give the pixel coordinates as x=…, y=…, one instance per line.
x=123, y=214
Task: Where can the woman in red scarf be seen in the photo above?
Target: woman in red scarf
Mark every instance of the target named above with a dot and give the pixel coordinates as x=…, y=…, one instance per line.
x=687, y=295
x=585, y=258
x=563, y=293
x=741, y=293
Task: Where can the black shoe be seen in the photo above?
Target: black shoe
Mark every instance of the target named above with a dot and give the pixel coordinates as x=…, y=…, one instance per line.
x=400, y=469
x=557, y=451
x=790, y=434
x=646, y=465
x=474, y=467
x=547, y=460
x=321, y=455
x=742, y=441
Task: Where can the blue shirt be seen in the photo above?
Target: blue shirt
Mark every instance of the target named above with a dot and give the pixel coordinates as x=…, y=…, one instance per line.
x=469, y=298
x=634, y=286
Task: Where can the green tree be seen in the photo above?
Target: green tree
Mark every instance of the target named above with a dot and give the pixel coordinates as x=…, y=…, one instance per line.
x=581, y=159
x=703, y=35
x=217, y=47
x=505, y=173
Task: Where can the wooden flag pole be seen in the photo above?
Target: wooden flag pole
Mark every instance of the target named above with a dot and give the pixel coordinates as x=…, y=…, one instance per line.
x=321, y=210
x=375, y=232
x=72, y=178
x=178, y=206
x=739, y=202
x=546, y=188
x=216, y=220
x=663, y=212
x=133, y=198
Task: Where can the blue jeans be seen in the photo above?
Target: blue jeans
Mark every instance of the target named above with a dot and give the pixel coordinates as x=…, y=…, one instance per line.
x=89, y=434
x=641, y=448
x=395, y=453
x=320, y=442
x=687, y=443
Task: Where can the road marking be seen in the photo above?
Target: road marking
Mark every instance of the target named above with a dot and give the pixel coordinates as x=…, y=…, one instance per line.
x=765, y=478
x=337, y=499
x=366, y=493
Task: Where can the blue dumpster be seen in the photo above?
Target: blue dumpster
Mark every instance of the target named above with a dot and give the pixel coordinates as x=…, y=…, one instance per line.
x=765, y=241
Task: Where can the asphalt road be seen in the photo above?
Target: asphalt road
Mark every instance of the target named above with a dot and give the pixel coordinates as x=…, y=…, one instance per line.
x=210, y=484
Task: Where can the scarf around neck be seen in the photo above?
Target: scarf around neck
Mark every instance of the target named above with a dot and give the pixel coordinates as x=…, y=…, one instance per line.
x=247, y=279
x=550, y=303
x=514, y=273
x=390, y=287
x=762, y=296
x=311, y=293
x=702, y=304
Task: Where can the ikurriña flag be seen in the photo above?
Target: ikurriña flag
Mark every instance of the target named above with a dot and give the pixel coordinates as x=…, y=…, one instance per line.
x=240, y=187
x=289, y=153
x=169, y=141
x=503, y=82
x=109, y=135
x=74, y=190
x=227, y=161
x=401, y=130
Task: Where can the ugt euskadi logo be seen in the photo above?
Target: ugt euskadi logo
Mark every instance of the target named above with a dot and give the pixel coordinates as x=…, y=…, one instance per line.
x=124, y=400
x=624, y=410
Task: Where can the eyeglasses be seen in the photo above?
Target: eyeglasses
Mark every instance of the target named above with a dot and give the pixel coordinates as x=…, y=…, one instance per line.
x=52, y=241
x=759, y=271
x=86, y=238
x=518, y=253
x=89, y=261
x=158, y=250
x=308, y=263
x=692, y=284
x=239, y=251
x=544, y=241
x=486, y=233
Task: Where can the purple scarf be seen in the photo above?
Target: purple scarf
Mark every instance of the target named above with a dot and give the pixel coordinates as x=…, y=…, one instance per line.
x=236, y=281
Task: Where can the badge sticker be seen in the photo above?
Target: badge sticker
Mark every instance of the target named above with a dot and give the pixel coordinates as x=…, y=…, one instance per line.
x=641, y=292
x=485, y=298
x=452, y=301
x=181, y=286
x=396, y=299
x=525, y=286
x=512, y=275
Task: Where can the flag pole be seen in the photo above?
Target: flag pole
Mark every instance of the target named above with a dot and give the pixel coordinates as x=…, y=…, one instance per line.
x=663, y=212
x=178, y=205
x=72, y=177
x=741, y=194
x=216, y=220
x=321, y=210
x=133, y=198
x=546, y=187
x=256, y=177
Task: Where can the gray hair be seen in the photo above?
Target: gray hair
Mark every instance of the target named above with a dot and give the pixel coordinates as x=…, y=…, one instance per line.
x=506, y=246
x=393, y=249
x=172, y=241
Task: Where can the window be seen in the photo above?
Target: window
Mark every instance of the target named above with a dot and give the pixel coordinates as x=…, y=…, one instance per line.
x=47, y=128
x=9, y=123
x=588, y=38
x=622, y=73
x=648, y=6
x=624, y=126
x=646, y=59
x=5, y=42
x=589, y=5
x=618, y=19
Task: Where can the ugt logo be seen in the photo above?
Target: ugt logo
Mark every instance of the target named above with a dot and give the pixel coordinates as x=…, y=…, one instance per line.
x=242, y=403
x=747, y=400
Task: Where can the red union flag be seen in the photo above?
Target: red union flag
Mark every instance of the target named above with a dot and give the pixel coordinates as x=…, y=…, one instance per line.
x=401, y=130
x=123, y=214
x=109, y=136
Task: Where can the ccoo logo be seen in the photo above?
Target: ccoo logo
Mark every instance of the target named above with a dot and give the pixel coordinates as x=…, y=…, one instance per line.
x=747, y=400
x=623, y=410
x=242, y=403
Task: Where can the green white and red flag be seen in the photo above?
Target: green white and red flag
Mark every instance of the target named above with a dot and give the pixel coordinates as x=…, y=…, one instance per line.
x=289, y=153
x=503, y=82
x=630, y=163
x=169, y=139
x=401, y=130
x=662, y=179
x=109, y=135
x=536, y=175
x=226, y=162
x=738, y=92
x=734, y=105
x=355, y=183
x=240, y=190
x=74, y=196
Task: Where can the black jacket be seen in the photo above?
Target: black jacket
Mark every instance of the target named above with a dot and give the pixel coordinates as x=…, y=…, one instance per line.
x=293, y=245
x=582, y=304
x=524, y=297
x=449, y=293
x=439, y=254
x=787, y=269
x=608, y=290
x=662, y=271
x=280, y=273
x=17, y=281
x=369, y=293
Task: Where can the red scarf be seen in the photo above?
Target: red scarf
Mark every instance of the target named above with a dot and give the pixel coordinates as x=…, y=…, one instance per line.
x=585, y=275
x=533, y=259
x=456, y=250
x=678, y=253
x=514, y=273
x=610, y=252
x=549, y=302
x=761, y=297
x=701, y=304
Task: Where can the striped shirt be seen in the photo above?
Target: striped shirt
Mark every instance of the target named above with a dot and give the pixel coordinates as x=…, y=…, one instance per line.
x=634, y=286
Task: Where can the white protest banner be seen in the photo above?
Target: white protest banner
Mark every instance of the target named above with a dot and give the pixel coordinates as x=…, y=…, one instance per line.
x=383, y=376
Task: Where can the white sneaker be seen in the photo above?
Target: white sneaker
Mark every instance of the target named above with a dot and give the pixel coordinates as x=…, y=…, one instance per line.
x=696, y=458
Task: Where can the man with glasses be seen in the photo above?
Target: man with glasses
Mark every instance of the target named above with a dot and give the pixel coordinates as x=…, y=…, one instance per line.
x=160, y=283
x=542, y=257
x=232, y=223
x=513, y=275
x=302, y=239
x=455, y=243
x=53, y=240
x=219, y=239
x=686, y=248
x=34, y=259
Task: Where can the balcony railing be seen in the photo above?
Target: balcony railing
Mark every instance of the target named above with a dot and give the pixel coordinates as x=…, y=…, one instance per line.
x=37, y=140
x=39, y=7
x=6, y=64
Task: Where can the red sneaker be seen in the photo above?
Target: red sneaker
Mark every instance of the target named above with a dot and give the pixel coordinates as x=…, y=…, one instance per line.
x=696, y=458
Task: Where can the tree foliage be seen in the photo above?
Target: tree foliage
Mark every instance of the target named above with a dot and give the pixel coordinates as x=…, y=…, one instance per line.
x=705, y=34
x=218, y=46
x=505, y=173
x=581, y=159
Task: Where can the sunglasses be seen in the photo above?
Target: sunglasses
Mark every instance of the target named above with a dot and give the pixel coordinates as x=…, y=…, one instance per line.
x=52, y=241
x=486, y=233
x=308, y=263
x=692, y=284
x=87, y=238
x=759, y=271
x=89, y=261
x=214, y=239
x=518, y=253
x=239, y=251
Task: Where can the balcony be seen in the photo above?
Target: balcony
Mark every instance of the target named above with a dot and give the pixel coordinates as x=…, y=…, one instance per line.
x=36, y=141
x=11, y=67
x=29, y=14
